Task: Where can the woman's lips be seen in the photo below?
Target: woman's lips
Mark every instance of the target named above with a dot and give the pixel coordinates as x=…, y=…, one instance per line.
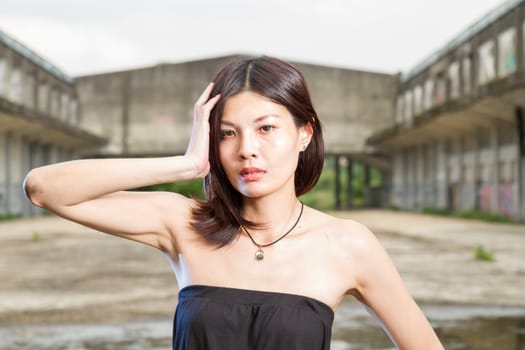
x=252, y=174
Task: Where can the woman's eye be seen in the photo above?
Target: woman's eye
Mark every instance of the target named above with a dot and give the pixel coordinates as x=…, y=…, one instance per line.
x=227, y=133
x=266, y=128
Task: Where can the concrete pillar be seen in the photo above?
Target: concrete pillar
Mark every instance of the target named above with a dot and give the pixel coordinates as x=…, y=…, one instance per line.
x=367, y=190
x=442, y=175
x=520, y=164
x=461, y=187
x=476, y=167
x=349, y=187
x=404, y=179
x=25, y=166
x=420, y=176
x=8, y=170
x=433, y=175
x=494, y=144
x=337, y=187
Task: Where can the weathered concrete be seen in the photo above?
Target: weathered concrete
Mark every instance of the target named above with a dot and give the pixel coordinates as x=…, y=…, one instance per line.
x=149, y=110
x=467, y=96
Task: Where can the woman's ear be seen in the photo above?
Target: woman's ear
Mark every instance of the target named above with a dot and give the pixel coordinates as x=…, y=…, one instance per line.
x=305, y=135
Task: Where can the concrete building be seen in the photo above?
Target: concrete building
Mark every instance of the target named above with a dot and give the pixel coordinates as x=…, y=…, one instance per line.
x=148, y=111
x=39, y=118
x=458, y=137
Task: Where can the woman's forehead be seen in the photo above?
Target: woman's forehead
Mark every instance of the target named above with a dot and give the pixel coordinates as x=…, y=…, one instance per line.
x=253, y=106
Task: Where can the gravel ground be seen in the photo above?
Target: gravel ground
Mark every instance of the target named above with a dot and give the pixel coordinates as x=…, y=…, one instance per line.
x=55, y=271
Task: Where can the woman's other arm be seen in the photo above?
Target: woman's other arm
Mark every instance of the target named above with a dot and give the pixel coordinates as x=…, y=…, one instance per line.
x=380, y=288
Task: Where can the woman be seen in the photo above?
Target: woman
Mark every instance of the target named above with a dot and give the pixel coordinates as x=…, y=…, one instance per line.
x=257, y=269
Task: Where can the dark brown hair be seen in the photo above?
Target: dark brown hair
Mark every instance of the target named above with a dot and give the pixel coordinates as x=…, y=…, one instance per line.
x=218, y=218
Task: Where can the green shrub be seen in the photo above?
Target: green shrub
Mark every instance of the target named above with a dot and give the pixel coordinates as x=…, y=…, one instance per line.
x=35, y=237
x=469, y=214
x=5, y=217
x=436, y=211
x=480, y=253
x=190, y=188
x=480, y=215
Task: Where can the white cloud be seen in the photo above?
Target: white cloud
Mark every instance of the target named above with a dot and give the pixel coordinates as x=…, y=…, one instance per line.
x=83, y=37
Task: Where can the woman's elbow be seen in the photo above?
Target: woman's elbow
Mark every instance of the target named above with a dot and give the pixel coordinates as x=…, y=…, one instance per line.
x=32, y=187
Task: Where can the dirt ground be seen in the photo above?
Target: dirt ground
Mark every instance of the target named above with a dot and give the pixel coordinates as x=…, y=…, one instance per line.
x=52, y=270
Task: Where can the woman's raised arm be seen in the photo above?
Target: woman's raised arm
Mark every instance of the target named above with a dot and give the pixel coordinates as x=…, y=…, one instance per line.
x=92, y=191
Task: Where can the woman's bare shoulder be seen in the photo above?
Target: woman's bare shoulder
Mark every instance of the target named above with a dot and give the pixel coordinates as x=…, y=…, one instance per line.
x=347, y=233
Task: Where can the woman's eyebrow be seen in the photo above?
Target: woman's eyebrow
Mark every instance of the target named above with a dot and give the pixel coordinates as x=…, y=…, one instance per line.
x=257, y=120
x=266, y=116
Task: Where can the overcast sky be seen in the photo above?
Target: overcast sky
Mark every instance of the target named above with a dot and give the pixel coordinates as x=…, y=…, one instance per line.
x=83, y=37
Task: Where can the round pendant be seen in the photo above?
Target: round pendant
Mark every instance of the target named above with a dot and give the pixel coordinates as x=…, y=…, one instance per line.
x=259, y=255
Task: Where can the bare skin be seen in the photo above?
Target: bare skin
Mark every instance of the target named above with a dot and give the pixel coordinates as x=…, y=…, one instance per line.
x=325, y=258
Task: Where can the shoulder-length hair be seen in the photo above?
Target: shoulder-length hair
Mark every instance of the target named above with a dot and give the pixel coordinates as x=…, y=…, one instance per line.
x=219, y=217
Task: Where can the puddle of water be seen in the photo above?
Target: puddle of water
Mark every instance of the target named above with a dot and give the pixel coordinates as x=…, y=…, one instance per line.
x=459, y=328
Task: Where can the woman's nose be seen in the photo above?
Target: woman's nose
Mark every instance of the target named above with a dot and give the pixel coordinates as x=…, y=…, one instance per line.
x=249, y=147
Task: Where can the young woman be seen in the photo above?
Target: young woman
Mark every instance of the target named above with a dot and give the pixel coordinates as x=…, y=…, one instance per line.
x=257, y=268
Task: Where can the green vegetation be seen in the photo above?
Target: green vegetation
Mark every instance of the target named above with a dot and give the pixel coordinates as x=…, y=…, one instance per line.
x=480, y=253
x=321, y=197
x=35, y=237
x=190, y=188
x=5, y=217
x=469, y=214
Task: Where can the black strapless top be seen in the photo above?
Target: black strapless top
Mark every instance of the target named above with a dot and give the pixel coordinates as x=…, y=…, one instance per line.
x=221, y=318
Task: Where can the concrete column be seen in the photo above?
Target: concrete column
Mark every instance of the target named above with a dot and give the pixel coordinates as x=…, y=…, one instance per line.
x=8, y=170
x=476, y=167
x=409, y=178
x=349, y=189
x=520, y=164
x=433, y=175
x=337, y=183
x=442, y=175
x=461, y=186
x=494, y=144
x=404, y=178
x=367, y=190
x=420, y=177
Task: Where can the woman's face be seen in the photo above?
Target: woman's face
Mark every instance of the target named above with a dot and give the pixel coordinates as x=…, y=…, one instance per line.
x=260, y=144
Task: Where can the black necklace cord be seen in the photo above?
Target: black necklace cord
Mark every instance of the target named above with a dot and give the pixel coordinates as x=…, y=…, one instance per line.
x=278, y=239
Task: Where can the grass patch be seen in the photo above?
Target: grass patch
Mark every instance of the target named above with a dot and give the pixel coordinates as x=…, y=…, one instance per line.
x=36, y=237
x=481, y=254
x=469, y=214
x=6, y=217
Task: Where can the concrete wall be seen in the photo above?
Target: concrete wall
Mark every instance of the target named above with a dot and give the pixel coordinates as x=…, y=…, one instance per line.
x=149, y=110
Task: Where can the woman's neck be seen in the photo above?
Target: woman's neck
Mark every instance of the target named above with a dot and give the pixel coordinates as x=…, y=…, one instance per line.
x=275, y=215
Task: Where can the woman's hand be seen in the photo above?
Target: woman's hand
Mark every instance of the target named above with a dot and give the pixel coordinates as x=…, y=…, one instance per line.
x=197, y=151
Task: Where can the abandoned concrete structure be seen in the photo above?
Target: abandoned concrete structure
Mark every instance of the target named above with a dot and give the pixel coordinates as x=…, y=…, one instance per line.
x=448, y=134
x=458, y=138
x=39, y=119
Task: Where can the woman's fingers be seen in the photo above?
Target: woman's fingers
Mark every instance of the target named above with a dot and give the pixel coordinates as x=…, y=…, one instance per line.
x=205, y=95
x=211, y=103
